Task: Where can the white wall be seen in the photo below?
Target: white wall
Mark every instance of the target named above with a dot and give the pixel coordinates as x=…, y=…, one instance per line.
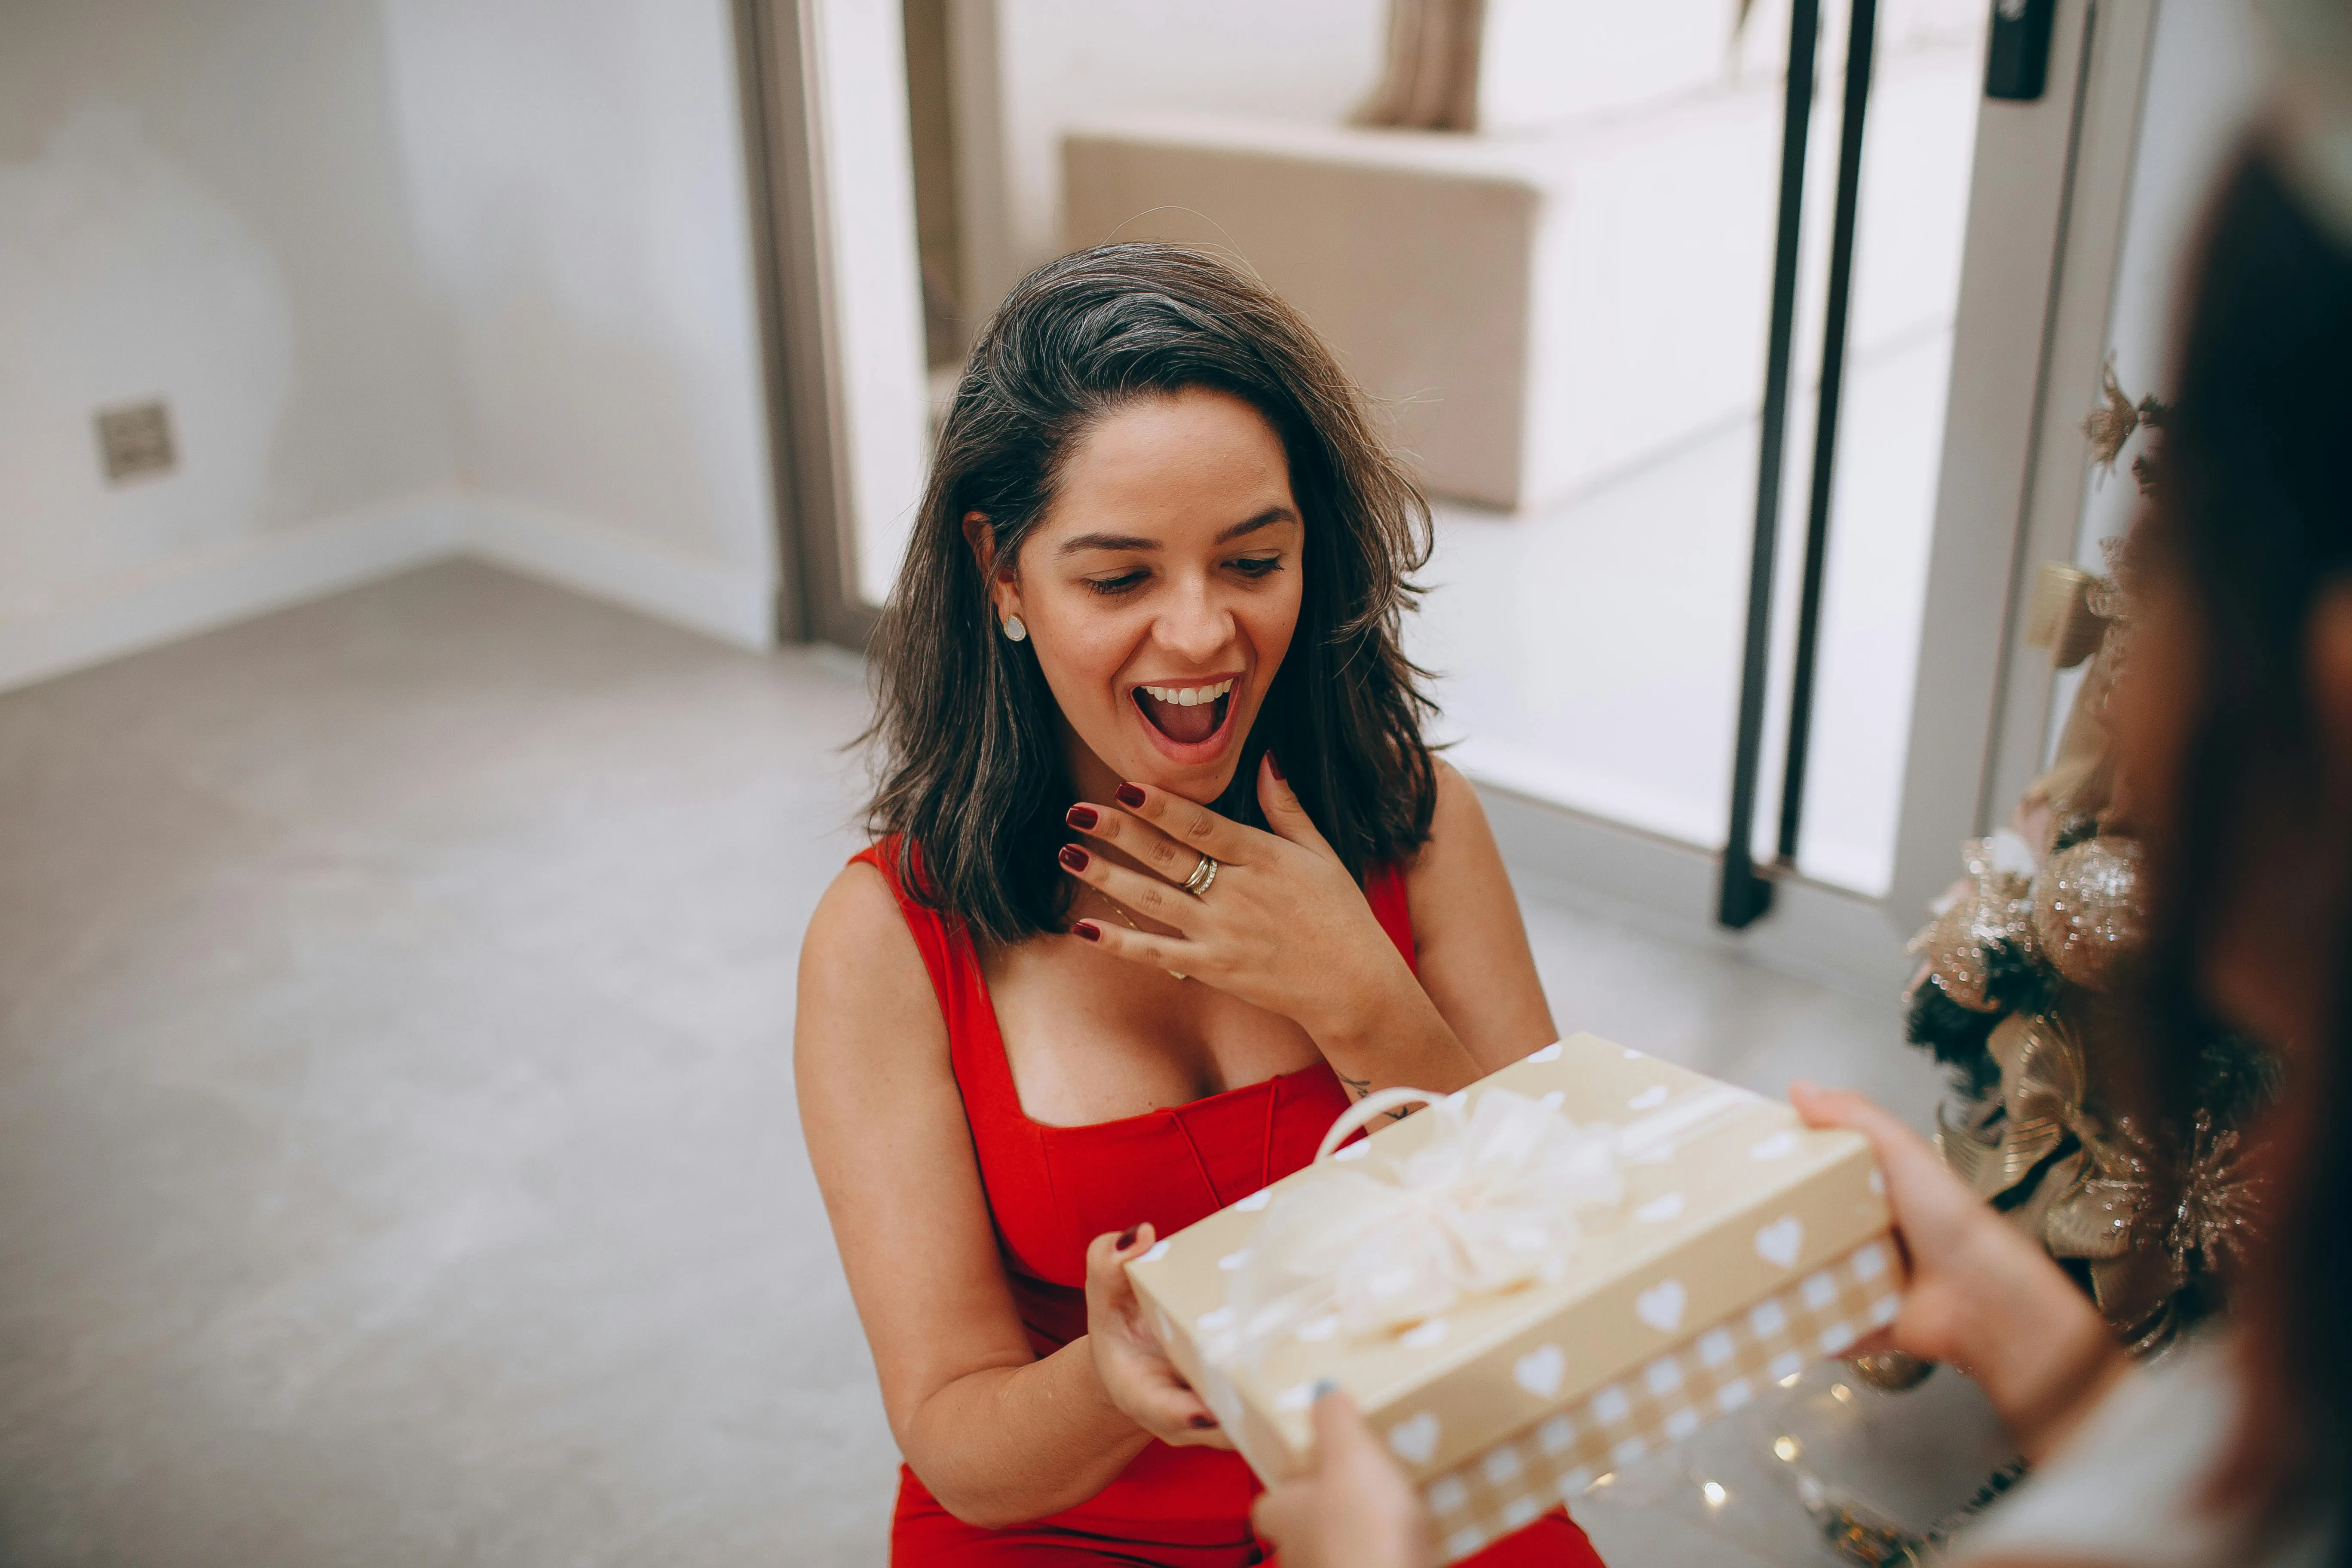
x=577, y=172
x=1063, y=61
x=205, y=204
x=415, y=276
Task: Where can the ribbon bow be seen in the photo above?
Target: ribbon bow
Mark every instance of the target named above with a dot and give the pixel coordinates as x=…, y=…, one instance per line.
x=1494, y=1199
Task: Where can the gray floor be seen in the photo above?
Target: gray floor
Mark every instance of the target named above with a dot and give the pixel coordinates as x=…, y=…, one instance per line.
x=398, y=1161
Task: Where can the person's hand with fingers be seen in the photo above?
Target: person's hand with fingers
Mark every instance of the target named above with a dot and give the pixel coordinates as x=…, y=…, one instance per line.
x=1135, y=1372
x=1354, y=1509
x=1981, y=1296
x=1273, y=917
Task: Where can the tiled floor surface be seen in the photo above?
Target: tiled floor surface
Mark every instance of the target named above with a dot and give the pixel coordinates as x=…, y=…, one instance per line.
x=398, y=1161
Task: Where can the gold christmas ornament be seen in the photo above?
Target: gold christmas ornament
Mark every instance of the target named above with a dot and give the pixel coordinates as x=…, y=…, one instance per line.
x=2086, y=912
x=1996, y=907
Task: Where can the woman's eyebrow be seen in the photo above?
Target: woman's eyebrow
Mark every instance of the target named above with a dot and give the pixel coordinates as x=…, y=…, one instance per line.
x=1265, y=519
x=1079, y=543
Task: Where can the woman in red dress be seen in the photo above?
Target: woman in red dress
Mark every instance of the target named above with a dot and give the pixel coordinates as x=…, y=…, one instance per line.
x=1164, y=877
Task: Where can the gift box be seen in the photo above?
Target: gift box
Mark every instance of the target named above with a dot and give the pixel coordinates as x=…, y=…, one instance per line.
x=1578, y=1259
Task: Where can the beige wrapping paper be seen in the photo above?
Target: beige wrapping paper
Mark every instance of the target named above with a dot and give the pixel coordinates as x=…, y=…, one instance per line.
x=1744, y=1246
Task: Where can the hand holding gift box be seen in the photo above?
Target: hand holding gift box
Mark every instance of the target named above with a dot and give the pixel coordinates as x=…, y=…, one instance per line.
x=1577, y=1259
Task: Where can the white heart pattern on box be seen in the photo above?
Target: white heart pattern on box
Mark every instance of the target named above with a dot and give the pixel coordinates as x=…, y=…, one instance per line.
x=1778, y=1146
x=1550, y=1053
x=1648, y=1098
x=1661, y=1305
x=1665, y=1206
x=1780, y=1241
x=1414, y=1440
x=1539, y=1372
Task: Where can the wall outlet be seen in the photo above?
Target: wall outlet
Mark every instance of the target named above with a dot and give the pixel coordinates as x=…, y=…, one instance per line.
x=135, y=439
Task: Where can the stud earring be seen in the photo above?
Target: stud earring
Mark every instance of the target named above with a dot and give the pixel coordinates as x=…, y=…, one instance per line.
x=1016, y=630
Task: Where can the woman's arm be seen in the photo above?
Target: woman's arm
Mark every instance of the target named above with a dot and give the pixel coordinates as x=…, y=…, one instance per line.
x=1472, y=947
x=997, y=1434
x=1980, y=1295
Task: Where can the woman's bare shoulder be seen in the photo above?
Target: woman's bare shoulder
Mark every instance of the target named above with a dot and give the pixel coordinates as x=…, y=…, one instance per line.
x=1458, y=834
x=863, y=984
x=1457, y=797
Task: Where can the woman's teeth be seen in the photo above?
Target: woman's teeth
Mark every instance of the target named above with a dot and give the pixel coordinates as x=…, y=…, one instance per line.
x=1188, y=696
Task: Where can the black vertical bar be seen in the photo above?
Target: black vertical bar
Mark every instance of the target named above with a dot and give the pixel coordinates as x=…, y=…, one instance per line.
x=1859, y=39
x=1745, y=895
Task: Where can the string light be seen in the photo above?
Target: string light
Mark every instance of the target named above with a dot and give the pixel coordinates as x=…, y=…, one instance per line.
x=1715, y=1496
x=1787, y=1448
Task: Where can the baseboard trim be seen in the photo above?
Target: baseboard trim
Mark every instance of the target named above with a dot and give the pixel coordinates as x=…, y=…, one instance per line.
x=723, y=602
x=1566, y=859
x=255, y=575
x=233, y=582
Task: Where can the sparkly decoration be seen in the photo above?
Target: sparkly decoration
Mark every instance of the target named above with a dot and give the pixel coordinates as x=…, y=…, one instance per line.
x=1997, y=908
x=2219, y=1200
x=2111, y=424
x=2086, y=911
x=1955, y=945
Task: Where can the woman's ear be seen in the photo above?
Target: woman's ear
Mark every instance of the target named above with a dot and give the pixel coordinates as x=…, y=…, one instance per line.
x=1004, y=589
x=981, y=538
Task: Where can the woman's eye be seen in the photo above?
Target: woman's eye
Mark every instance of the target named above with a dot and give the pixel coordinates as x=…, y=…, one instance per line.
x=1257, y=566
x=1121, y=583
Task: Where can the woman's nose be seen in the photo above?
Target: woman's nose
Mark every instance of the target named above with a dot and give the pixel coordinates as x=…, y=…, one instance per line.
x=1196, y=627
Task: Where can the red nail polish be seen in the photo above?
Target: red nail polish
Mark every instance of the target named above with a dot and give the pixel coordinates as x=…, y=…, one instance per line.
x=1127, y=1238
x=1074, y=858
x=1088, y=930
x=1276, y=764
x=1203, y=1422
x=1081, y=817
x=1130, y=797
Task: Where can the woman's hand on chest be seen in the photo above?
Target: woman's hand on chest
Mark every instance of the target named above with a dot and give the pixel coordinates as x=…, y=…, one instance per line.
x=1271, y=918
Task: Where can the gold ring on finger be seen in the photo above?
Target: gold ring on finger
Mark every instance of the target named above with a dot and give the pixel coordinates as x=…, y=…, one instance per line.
x=1203, y=876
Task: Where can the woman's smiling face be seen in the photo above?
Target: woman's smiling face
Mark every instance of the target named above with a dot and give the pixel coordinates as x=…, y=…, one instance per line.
x=1160, y=590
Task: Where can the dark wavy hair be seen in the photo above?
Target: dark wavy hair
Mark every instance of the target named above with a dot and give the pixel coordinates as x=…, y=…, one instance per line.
x=970, y=776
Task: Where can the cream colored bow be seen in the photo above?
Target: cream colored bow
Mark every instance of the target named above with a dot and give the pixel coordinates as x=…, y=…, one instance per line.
x=1494, y=1199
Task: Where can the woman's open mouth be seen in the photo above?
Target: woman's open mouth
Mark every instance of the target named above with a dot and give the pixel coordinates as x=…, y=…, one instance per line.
x=1188, y=715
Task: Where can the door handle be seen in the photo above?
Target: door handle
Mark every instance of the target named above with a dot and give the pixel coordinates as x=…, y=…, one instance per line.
x=2017, y=56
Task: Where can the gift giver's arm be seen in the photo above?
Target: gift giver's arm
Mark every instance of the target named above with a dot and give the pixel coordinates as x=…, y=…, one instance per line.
x=1980, y=1296
x=997, y=1434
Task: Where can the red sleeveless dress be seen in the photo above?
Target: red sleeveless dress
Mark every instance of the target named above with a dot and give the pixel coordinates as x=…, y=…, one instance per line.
x=1052, y=1190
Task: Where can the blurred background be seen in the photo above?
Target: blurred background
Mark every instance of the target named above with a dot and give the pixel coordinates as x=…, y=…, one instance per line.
x=452, y=451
